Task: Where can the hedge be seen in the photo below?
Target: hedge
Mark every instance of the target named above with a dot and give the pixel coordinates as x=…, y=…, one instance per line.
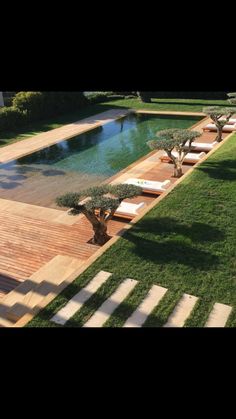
x=33, y=106
x=38, y=105
x=11, y=117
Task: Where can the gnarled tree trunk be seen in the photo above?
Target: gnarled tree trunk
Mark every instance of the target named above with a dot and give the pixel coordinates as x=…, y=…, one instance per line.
x=219, y=133
x=99, y=227
x=178, y=169
x=100, y=233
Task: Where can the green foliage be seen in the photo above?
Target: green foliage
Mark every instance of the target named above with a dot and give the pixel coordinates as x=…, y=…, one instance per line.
x=32, y=106
x=103, y=203
x=96, y=191
x=169, y=138
x=124, y=191
x=218, y=111
x=105, y=197
x=163, y=144
x=30, y=103
x=69, y=200
x=11, y=117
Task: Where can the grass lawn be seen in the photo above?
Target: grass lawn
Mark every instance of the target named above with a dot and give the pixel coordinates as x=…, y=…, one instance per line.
x=187, y=243
x=158, y=104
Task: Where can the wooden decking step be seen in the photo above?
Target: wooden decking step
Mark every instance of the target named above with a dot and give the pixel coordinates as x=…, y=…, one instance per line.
x=219, y=315
x=181, y=311
x=75, y=304
x=106, y=309
x=47, y=279
x=139, y=316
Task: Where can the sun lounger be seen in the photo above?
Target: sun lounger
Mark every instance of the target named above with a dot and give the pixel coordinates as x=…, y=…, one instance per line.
x=201, y=146
x=189, y=158
x=226, y=128
x=128, y=210
x=149, y=186
x=230, y=121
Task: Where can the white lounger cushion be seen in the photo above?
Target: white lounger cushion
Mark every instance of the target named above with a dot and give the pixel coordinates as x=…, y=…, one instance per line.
x=204, y=146
x=148, y=184
x=230, y=121
x=190, y=156
x=129, y=208
x=225, y=128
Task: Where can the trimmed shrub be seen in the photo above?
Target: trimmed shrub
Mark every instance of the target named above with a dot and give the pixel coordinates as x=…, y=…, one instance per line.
x=38, y=105
x=30, y=103
x=10, y=118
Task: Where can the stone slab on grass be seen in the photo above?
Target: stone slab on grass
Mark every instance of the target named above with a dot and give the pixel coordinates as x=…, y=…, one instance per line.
x=106, y=309
x=140, y=315
x=181, y=311
x=75, y=304
x=219, y=315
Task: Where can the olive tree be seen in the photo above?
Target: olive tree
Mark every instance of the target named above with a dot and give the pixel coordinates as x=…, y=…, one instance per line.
x=171, y=139
x=216, y=113
x=144, y=97
x=98, y=204
x=232, y=98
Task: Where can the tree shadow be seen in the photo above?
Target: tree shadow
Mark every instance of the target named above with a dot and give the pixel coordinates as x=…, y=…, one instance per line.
x=9, y=185
x=197, y=103
x=222, y=170
x=53, y=172
x=164, y=240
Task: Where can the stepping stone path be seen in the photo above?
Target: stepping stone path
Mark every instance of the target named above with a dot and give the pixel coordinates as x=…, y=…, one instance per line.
x=146, y=307
x=103, y=313
x=219, y=315
x=80, y=298
x=181, y=311
x=217, y=318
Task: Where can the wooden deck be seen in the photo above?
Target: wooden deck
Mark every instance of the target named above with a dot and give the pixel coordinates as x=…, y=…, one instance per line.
x=31, y=236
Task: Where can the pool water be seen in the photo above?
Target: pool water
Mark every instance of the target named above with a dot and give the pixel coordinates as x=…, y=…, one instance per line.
x=85, y=160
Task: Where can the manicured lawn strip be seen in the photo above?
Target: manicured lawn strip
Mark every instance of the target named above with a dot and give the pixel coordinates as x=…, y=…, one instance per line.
x=188, y=105
x=187, y=243
x=161, y=313
x=200, y=313
x=193, y=105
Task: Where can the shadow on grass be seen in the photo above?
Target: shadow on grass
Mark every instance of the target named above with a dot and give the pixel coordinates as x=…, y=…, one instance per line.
x=197, y=103
x=164, y=240
x=222, y=170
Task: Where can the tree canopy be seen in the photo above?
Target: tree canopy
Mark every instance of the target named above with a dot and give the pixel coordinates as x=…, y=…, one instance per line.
x=98, y=204
x=175, y=138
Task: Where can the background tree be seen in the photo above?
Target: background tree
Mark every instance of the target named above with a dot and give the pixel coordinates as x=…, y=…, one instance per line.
x=171, y=139
x=232, y=98
x=98, y=204
x=144, y=97
x=216, y=113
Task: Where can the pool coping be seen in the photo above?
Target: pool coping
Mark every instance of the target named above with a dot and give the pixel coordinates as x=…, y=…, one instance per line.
x=85, y=265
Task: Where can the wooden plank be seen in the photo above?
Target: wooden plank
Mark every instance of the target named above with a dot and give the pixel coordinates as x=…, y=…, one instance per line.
x=42, y=283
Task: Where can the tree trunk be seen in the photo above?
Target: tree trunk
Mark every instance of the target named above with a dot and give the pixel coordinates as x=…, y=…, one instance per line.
x=100, y=234
x=178, y=169
x=219, y=134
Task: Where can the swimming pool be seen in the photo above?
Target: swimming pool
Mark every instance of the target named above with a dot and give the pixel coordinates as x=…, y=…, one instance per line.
x=85, y=160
